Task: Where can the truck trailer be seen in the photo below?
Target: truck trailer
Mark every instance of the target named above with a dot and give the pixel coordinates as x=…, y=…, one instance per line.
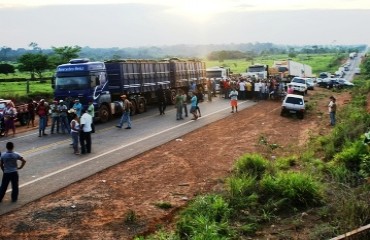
x=104, y=82
x=290, y=69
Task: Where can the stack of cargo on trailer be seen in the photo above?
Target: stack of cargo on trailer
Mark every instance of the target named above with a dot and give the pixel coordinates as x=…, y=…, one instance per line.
x=104, y=82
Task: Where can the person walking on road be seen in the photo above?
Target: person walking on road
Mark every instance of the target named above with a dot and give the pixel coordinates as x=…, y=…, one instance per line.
x=85, y=133
x=332, y=110
x=234, y=100
x=126, y=104
x=9, y=165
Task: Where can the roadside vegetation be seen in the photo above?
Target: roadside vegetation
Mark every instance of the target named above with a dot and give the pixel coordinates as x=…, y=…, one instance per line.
x=327, y=181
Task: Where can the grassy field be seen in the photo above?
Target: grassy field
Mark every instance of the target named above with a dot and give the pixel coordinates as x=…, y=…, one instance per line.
x=318, y=62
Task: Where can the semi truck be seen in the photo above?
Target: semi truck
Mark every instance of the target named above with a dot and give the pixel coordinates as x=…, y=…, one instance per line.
x=104, y=82
x=290, y=69
x=257, y=71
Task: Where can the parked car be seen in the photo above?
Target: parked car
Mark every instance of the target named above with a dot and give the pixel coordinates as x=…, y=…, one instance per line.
x=310, y=83
x=329, y=83
x=293, y=104
x=299, y=85
x=345, y=83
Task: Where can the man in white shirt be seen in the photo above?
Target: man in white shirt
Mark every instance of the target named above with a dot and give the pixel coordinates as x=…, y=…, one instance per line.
x=85, y=133
x=242, y=92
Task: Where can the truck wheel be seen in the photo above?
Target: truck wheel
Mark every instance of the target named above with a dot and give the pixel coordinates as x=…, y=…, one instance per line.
x=133, y=108
x=104, y=114
x=141, y=107
x=172, y=97
x=22, y=119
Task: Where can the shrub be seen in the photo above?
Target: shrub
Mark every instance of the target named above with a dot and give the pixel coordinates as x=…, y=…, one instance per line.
x=301, y=190
x=205, y=218
x=351, y=155
x=240, y=190
x=251, y=164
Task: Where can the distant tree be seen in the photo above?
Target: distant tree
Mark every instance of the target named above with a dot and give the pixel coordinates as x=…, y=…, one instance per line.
x=4, y=51
x=64, y=54
x=6, y=68
x=34, y=63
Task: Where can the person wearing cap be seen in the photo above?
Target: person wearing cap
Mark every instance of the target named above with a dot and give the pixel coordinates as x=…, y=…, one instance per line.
x=77, y=106
x=126, y=104
x=63, y=109
x=85, y=132
x=55, y=120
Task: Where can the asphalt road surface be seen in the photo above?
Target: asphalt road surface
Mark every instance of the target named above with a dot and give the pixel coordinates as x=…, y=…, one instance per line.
x=51, y=164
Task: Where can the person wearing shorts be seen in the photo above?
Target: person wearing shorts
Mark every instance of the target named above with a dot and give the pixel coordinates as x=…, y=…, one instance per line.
x=233, y=100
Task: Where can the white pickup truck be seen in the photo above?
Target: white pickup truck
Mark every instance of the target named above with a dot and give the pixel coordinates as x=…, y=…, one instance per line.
x=299, y=85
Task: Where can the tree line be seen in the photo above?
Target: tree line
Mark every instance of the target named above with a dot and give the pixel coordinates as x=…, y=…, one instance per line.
x=35, y=61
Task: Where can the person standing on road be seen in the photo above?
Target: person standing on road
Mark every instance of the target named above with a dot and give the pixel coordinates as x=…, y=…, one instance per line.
x=161, y=98
x=42, y=111
x=55, y=117
x=63, y=114
x=8, y=164
x=31, y=113
x=85, y=133
x=91, y=111
x=75, y=132
x=185, y=103
x=242, y=92
x=332, y=110
x=10, y=114
x=234, y=100
x=77, y=106
x=179, y=101
x=126, y=104
x=193, y=109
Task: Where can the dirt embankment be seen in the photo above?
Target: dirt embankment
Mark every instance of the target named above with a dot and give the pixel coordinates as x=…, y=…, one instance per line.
x=98, y=207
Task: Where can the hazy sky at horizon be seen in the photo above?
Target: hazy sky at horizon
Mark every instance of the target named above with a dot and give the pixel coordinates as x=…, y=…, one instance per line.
x=134, y=23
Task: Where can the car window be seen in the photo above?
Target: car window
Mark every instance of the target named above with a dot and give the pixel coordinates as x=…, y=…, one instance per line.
x=297, y=80
x=293, y=100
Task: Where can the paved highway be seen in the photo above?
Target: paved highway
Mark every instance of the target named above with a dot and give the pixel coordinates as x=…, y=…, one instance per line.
x=51, y=164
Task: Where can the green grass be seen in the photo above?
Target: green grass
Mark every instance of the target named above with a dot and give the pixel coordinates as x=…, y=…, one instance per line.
x=318, y=62
x=18, y=89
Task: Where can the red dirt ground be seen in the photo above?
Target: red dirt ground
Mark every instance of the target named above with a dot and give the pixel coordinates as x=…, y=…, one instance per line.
x=97, y=207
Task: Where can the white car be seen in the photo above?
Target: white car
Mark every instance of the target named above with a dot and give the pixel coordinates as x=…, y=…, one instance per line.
x=293, y=104
x=299, y=85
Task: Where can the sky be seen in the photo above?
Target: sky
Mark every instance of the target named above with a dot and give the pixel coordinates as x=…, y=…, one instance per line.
x=143, y=23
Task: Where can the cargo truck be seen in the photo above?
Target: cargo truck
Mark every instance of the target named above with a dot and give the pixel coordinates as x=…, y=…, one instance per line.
x=257, y=71
x=104, y=82
x=290, y=69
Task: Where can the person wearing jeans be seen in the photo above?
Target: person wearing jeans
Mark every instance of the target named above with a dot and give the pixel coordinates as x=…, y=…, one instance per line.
x=10, y=168
x=126, y=113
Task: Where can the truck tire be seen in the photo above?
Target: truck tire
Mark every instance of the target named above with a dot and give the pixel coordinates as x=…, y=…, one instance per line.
x=22, y=119
x=133, y=108
x=141, y=106
x=104, y=114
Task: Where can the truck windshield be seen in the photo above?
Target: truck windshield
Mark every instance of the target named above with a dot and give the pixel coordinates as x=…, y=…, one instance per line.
x=256, y=69
x=214, y=74
x=72, y=83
